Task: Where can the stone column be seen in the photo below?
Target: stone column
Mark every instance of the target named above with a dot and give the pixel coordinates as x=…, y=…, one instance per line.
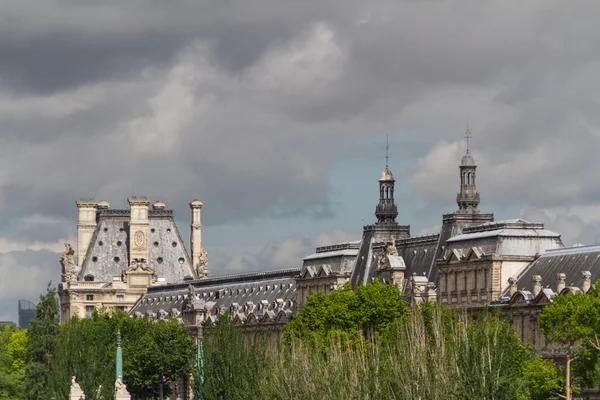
x=138, y=228
x=86, y=225
x=196, y=231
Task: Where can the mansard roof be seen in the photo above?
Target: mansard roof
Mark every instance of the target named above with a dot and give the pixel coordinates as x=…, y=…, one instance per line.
x=571, y=261
x=226, y=292
x=508, y=228
x=337, y=259
x=108, y=254
x=514, y=237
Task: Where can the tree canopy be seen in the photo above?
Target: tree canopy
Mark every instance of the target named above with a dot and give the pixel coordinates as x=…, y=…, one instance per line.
x=13, y=347
x=372, y=307
x=41, y=340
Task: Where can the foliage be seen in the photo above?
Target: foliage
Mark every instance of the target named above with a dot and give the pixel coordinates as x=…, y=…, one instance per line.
x=41, y=340
x=430, y=354
x=231, y=370
x=369, y=308
x=13, y=342
x=542, y=379
x=573, y=321
x=427, y=353
x=86, y=348
x=153, y=349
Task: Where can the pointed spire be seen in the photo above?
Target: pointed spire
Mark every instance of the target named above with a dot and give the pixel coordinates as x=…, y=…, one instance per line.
x=468, y=135
x=387, y=148
x=468, y=197
x=386, y=211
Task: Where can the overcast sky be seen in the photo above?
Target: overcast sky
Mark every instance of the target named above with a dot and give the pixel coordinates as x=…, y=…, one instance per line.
x=275, y=113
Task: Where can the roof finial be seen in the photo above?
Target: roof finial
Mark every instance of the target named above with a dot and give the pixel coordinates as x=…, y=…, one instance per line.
x=468, y=135
x=387, y=148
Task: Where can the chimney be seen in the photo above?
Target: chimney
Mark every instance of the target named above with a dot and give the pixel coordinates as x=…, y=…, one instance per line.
x=587, y=281
x=280, y=305
x=250, y=307
x=138, y=228
x=561, y=282
x=86, y=225
x=196, y=231
x=512, y=286
x=537, y=284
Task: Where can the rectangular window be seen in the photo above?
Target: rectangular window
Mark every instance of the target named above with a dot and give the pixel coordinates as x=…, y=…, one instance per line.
x=89, y=310
x=121, y=308
x=89, y=297
x=120, y=297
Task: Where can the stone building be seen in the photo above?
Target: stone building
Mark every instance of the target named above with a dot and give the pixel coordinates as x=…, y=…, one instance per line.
x=386, y=252
x=120, y=253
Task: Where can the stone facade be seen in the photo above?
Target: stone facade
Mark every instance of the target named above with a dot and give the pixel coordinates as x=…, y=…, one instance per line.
x=123, y=252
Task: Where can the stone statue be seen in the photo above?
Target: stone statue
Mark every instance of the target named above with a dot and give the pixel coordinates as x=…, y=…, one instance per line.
x=139, y=265
x=191, y=296
x=391, y=249
x=69, y=271
x=75, y=393
x=202, y=265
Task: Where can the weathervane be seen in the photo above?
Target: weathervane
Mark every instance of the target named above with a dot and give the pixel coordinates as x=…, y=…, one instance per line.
x=387, y=148
x=468, y=135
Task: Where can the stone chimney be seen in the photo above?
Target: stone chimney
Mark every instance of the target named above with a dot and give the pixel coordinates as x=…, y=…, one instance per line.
x=138, y=228
x=512, y=286
x=561, y=282
x=587, y=281
x=86, y=225
x=537, y=285
x=196, y=231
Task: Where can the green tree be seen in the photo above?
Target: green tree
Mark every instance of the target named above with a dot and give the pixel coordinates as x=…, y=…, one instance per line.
x=12, y=360
x=570, y=320
x=41, y=340
x=232, y=371
x=86, y=348
x=152, y=349
x=543, y=381
x=368, y=309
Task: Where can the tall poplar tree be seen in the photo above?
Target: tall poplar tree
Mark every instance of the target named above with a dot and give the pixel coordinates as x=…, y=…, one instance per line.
x=42, y=335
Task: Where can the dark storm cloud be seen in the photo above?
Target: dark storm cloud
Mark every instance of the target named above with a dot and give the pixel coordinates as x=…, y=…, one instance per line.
x=248, y=105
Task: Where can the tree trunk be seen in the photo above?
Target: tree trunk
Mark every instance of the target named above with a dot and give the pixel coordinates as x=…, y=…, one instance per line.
x=568, y=379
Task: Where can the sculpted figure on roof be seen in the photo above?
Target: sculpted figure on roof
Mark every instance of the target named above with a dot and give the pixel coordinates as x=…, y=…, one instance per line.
x=202, y=265
x=391, y=249
x=69, y=272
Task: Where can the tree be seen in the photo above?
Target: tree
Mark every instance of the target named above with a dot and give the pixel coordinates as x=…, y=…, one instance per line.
x=370, y=308
x=86, y=348
x=573, y=321
x=569, y=320
x=231, y=370
x=152, y=349
x=13, y=343
x=41, y=340
x=542, y=378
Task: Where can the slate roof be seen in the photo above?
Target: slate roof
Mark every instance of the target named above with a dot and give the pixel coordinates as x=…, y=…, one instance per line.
x=108, y=254
x=263, y=289
x=509, y=237
x=338, y=258
x=571, y=261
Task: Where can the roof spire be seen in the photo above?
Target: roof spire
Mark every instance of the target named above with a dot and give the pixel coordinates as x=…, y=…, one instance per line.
x=387, y=148
x=468, y=135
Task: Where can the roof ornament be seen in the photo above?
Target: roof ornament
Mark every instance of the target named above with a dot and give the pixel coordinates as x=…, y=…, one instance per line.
x=387, y=148
x=468, y=135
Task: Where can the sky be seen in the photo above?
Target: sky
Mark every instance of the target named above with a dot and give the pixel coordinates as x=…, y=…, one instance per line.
x=275, y=115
